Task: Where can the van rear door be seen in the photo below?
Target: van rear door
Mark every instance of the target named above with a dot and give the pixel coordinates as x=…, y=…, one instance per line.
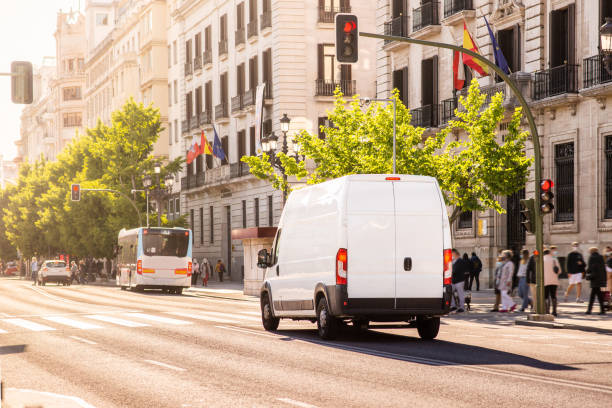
x=419, y=244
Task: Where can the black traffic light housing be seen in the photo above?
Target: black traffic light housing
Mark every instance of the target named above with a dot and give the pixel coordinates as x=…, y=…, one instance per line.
x=546, y=196
x=75, y=190
x=347, y=36
x=21, y=82
x=528, y=215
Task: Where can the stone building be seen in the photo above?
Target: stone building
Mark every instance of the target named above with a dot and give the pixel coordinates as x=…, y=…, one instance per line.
x=552, y=49
x=218, y=54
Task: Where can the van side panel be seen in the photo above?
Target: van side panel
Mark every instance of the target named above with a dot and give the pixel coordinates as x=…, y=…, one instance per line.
x=371, y=244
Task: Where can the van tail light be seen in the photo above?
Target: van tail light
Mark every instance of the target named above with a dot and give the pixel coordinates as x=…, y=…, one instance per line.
x=341, y=266
x=448, y=270
x=189, y=268
x=139, y=268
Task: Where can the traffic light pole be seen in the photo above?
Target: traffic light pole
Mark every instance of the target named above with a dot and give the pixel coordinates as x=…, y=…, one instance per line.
x=540, y=304
x=109, y=190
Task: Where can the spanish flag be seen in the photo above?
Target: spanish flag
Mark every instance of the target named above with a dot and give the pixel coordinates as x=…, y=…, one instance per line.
x=204, y=145
x=469, y=44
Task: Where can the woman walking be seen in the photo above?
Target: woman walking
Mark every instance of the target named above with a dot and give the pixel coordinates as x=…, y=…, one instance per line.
x=505, y=283
x=551, y=281
x=523, y=285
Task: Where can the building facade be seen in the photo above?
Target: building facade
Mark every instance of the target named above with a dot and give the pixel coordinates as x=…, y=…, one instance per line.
x=219, y=52
x=552, y=50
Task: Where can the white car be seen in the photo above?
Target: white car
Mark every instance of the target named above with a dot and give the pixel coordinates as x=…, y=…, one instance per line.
x=54, y=271
x=359, y=249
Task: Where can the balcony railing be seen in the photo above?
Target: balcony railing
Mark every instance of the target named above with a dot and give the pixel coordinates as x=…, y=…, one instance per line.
x=205, y=118
x=594, y=72
x=265, y=20
x=249, y=98
x=447, y=110
x=239, y=169
x=324, y=87
x=185, y=126
x=425, y=116
x=197, y=62
x=221, y=111
x=426, y=15
x=207, y=57
x=328, y=14
x=252, y=28
x=455, y=6
x=222, y=47
x=555, y=81
x=236, y=103
x=193, y=122
x=240, y=36
x=188, y=69
x=268, y=90
x=397, y=27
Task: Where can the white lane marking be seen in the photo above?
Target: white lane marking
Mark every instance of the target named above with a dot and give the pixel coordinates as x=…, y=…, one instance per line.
x=3, y=331
x=76, y=400
x=558, y=345
x=50, y=296
x=257, y=333
x=26, y=324
x=171, y=367
x=5, y=315
x=83, y=340
x=159, y=319
x=296, y=403
x=116, y=320
x=596, y=343
x=230, y=316
x=472, y=335
x=200, y=316
x=72, y=323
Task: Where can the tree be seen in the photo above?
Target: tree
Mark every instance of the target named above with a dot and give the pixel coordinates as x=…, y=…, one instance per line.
x=7, y=249
x=471, y=172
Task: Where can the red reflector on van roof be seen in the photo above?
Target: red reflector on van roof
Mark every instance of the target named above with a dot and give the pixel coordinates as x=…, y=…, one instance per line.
x=392, y=178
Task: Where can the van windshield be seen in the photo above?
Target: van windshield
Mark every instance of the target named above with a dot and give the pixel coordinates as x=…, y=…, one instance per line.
x=165, y=243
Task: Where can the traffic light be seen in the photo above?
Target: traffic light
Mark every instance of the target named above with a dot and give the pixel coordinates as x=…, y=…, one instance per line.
x=347, y=35
x=546, y=196
x=76, y=192
x=21, y=82
x=528, y=214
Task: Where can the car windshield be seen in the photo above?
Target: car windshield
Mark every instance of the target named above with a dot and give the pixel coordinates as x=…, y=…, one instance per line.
x=165, y=243
x=55, y=264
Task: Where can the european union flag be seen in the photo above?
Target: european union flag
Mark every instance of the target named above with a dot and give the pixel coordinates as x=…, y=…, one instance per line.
x=217, y=148
x=500, y=60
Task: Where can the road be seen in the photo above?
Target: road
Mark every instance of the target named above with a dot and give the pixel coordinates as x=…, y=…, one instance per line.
x=102, y=347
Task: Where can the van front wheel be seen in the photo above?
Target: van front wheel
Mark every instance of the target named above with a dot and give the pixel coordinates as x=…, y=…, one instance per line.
x=326, y=323
x=270, y=323
x=428, y=328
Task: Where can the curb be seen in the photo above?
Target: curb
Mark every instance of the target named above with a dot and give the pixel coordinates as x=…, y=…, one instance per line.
x=567, y=326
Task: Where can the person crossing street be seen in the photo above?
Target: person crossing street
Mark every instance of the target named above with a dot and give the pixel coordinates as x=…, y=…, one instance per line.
x=575, y=270
x=596, y=273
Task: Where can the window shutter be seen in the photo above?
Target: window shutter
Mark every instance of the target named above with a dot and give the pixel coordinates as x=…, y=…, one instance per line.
x=404, y=90
x=516, y=49
x=345, y=72
x=321, y=73
x=434, y=64
x=571, y=34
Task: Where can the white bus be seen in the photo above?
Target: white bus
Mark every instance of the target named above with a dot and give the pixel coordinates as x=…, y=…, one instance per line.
x=154, y=258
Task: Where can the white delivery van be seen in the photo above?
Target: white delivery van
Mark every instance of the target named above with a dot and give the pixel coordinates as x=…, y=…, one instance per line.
x=360, y=249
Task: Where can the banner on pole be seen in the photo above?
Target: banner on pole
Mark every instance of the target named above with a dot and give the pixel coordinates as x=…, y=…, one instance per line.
x=259, y=101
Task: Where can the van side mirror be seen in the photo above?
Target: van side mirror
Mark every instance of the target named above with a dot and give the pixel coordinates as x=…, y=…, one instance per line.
x=263, y=259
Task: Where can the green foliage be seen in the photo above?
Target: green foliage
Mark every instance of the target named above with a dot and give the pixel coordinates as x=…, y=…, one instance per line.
x=471, y=172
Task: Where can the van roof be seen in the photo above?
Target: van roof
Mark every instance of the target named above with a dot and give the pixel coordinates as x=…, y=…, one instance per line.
x=383, y=177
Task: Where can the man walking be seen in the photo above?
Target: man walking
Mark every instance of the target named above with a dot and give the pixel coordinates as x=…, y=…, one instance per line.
x=476, y=269
x=34, y=268
x=596, y=273
x=205, y=270
x=220, y=269
x=458, y=280
x=196, y=272
x=575, y=269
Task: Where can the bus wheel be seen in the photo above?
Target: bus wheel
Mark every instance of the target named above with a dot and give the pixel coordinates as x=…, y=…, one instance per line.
x=123, y=287
x=178, y=291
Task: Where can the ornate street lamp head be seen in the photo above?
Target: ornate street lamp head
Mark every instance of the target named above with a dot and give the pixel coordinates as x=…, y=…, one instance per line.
x=296, y=146
x=605, y=33
x=265, y=145
x=146, y=181
x=169, y=181
x=157, y=169
x=284, y=121
x=272, y=140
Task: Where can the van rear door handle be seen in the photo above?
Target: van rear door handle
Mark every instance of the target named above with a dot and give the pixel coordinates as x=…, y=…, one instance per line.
x=408, y=263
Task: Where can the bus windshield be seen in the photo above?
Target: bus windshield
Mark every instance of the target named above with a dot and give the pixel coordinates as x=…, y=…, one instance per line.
x=165, y=243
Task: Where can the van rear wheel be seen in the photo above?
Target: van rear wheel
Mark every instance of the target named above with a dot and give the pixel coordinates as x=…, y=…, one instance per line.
x=270, y=323
x=327, y=324
x=428, y=328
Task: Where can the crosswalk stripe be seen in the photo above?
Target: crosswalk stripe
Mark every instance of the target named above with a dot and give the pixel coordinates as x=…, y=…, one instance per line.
x=26, y=324
x=2, y=331
x=158, y=318
x=230, y=316
x=72, y=323
x=201, y=316
x=116, y=320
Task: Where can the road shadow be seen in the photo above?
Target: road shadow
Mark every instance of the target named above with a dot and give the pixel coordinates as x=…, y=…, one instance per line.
x=413, y=349
x=17, y=348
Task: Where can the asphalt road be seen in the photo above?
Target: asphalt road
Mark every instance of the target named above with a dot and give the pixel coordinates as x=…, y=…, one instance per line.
x=87, y=346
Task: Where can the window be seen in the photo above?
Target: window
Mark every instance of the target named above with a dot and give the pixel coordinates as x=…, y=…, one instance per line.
x=257, y=212
x=253, y=10
x=208, y=102
x=252, y=143
x=102, y=19
x=327, y=62
x=72, y=93
x=170, y=133
x=225, y=146
x=176, y=130
x=253, y=74
x=169, y=56
x=510, y=45
x=267, y=69
x=562, y=36
x=324, y=122
x=148, y=23
x=211, y=224
x=240, y=16
x=170, y=94
x=270, y=212
x=207, y=39
x=608, y=186
x=400, y=82
x=171, y=206
x=175, y=92
x=223, y=28
x=189, y=105
x=267, y=127
x=198, y=44
x=72, y=119
x=174, y=52
x=240, y=79
x=201, y=225
x=244, y=214
x=241, y=144
x=564, y=182
x=198, y=100
x=465, y=220
x=191, y=221
x=161, y=243
x=177, y=206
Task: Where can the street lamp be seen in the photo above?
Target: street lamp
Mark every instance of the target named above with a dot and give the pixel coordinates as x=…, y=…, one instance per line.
x=156, y=190
x=605, y=33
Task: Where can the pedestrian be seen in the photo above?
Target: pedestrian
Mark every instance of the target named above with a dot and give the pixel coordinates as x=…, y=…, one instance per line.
x=551, y=281
x=496, y=278
x=531, y=280
x=576, y=267
x=205, y=270
x=469, y=270
x=596, y=273
x=34, y=268
x=515, y=259
x=505, y=282
x=523, y=286
x=476, y=269
x=195, y=273
x=608, y=254
x=460, y=269
x=74, y=272
x=220, y=269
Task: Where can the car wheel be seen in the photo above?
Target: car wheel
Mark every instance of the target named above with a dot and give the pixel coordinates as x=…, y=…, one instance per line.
x=428, y=328
x=270, y=323
x=326, y=323
x=123, y=287
x=178, y=291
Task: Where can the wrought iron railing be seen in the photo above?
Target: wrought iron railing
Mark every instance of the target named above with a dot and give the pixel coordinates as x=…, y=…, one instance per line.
x=594, y=72
x=555, y=81
x=222, y=47
x=188, y=69
x=455, y=6
x=426, y=15
x=252, y=28
x=240, y=36
x=185, y=126
x=193, y=122
x=239, y=169
x=397, y=27
x=221, y=111
x=236, y=103
x=249, y=98
x=328, y=14
x=205, y=118
x=207, y=57
x=426, y=116
x=324, y=87
x=265, y=20
x=197, y=62
x=447, y=110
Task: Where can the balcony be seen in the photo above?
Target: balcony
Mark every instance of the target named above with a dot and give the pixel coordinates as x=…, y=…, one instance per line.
x=185, y=126
x=452, y=7
x=239, y=169
x=207, y=58
x=556, y=81
x=188, y=69
x=325, y=87
x=240, y=37
x=268, y=90
x=265, y=20
x=205, y=118
x=221, y=111
x=197, y=63
x=398, y=27
x=236, y=103
x=425, y=16
x=425, y=116
x=447, y=110
x=193, y=180
x=222, y=47
x=594, y=72
x=252, y=29
x=193, y=122
x=328, y=14
x=249, y=98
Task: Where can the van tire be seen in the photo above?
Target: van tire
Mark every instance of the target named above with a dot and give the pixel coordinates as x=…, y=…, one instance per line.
x=428, y=328
x=270, y=323
x=327, y=324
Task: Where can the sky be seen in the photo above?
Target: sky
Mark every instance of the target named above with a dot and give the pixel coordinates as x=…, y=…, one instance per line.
x=26, y=34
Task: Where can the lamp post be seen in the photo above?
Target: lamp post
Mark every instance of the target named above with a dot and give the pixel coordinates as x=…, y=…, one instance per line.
x=367, y=102
x=158, y=192
x=605, y=33
x=269, y=145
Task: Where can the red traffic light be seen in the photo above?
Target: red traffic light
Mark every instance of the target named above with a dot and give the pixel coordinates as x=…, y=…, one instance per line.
x=349, y=26
x=76, y=192
x=547, y=185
